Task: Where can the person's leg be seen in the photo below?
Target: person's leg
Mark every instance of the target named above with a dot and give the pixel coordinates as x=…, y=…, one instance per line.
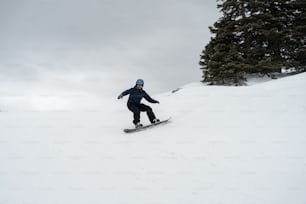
x=148, y=109
x=136, y=113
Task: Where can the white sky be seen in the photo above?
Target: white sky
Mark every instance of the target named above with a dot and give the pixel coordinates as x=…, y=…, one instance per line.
x=101, y=46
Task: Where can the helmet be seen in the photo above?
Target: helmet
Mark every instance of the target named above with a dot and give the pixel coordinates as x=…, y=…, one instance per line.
x=139, y=82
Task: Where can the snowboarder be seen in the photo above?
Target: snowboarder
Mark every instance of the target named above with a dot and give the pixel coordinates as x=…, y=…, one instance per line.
x=136, y=94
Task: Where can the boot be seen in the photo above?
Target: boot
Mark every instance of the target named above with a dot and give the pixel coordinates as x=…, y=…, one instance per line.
x=138, y=125
x=156, y=120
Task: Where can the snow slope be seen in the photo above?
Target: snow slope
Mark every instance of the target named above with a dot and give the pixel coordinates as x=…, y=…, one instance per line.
x=231, y=145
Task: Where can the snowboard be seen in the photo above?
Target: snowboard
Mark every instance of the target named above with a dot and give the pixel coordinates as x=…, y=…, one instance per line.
x=145, y=127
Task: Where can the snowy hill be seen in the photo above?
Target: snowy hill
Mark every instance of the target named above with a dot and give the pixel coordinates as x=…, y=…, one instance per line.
x=228, y=145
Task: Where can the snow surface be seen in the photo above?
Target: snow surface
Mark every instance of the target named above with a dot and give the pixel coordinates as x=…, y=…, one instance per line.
x=233, y=145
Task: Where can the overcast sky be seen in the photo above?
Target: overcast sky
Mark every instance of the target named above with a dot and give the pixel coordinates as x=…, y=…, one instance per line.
x=101, y=46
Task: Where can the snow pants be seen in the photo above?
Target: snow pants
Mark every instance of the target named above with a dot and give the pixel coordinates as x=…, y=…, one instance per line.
x=137, y=108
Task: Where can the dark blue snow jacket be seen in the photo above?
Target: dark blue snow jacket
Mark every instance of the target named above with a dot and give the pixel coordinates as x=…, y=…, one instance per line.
x=136, y=95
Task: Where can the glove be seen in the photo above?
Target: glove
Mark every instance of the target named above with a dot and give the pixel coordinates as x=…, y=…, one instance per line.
x=157, y=102
x=120, y=96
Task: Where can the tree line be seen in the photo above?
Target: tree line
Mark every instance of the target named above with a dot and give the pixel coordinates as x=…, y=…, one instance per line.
x=255, y=37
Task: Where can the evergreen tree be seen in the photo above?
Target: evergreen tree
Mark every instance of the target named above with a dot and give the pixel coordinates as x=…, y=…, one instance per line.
x=298, y=40
x=218, y=57
x=256, y=36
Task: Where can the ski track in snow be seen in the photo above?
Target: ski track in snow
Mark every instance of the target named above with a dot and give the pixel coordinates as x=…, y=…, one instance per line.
x=225, y=145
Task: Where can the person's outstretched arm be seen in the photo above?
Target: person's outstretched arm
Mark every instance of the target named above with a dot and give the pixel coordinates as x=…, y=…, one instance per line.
x=126, y=92
x=148, y=98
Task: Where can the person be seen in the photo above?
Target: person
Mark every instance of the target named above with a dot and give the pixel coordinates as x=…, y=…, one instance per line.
x=134, y=103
